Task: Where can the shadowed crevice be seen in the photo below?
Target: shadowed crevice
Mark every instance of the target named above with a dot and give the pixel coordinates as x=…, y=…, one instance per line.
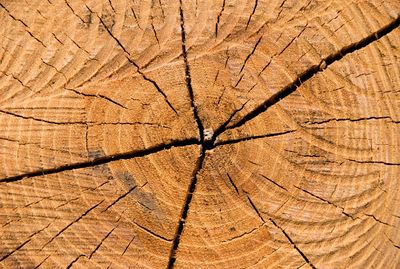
x=103, y=160
x=313, y=70
x=185, y=210
x=188, y=78
x=200, y=161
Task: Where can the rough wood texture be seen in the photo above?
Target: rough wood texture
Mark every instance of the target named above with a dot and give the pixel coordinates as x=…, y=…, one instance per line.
x=200, y=134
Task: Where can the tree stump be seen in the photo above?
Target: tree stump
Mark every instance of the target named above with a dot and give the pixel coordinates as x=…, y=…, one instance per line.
x=200, y=134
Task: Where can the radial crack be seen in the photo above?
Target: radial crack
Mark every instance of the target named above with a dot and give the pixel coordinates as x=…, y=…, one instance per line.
x=185, y=210
x=252, y=13
x=352, y=120
x=127, y=247
x=152, y=233
x=326, y=201
x=188, y=78
x=313, y=70
x=14, y=250
x=38, y=119
x=218, y=18
x=200, y=160
x=128, y=56
x=99, y=96
x=374, y=162
x=283, y=231
x=273, y=182
x=71, y=223
x=74, y=261
x=101, y=242
x=37, y=266
x=222, y=128
x=233, y=183
x=250, y=54
x=293, y=244
x=103, y=160
x=120, y=198
x=73, y=11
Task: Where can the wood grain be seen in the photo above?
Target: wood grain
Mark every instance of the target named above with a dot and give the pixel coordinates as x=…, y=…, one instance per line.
x=199, y=134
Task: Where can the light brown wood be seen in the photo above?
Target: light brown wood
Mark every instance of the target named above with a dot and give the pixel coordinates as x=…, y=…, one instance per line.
x=199, y=134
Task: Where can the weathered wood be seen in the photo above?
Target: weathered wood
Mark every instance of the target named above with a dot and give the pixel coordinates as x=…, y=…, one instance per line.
x=199, y=134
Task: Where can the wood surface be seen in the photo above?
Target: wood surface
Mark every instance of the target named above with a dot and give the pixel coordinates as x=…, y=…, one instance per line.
x=200, y=134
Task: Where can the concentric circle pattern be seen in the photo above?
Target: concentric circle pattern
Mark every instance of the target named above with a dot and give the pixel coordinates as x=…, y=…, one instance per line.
x=199, y=134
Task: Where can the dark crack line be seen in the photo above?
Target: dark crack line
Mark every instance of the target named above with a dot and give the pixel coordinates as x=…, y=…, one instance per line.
x=14, y=250
x=70, y=224
x=250, y=54
x=282, y=230
x=73, y=11
x=154, y=31
x=326, y=201
x=200, y=160
x=55, y=68
x=90, y=123
x=56, y=38
x=273, y=182
x=233, y=183
x=313, y=70
x=74, y=261
x=352, y=120
x=23, y=23
x=218, y=18
x=111, y=5
x=38, y=119
x=378, y=220
x=128, y=56
x=393, y=243
x=136, y=19
x=242, y=235
x=252, y=13
x=188, y=78
x=185, y=210
x=152, y=233
x=101, y=242
x=290, y=42
x=123, y=196
x=99, y=96
x=293, y=244
x=374, y=162
x=103, y=160
x=255, y=208
x=222, y=128
x=120, y=198
x=127, y=247
x=45, y=259
x=17, y=79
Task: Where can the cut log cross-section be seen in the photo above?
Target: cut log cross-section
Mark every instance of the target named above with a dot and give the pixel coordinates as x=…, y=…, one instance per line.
x=199, y=134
